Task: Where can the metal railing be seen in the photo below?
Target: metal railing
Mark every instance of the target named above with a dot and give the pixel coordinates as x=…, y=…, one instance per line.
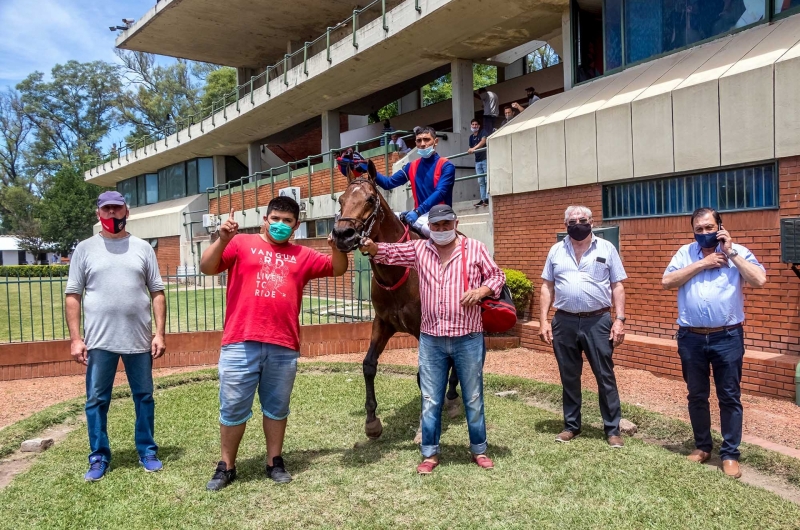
x=245, y=92
x=34, y=307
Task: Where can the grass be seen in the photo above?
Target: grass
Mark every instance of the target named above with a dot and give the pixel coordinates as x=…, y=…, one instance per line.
x=536, y=483
x=32, y=309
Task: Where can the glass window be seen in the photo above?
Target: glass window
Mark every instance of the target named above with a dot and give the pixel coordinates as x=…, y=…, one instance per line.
x=785, y=5
x=174, y=178
x=151, y=184
x=612, y=24
x=205, y=174
x=541, y=58
x=162, y=184
x=588, y=26
x=729, y=190
x=191, y=177
x=141, y=191
x=128, y=190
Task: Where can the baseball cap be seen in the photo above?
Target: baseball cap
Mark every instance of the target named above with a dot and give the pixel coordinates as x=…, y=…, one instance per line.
x=441, y=212
x=110, y=197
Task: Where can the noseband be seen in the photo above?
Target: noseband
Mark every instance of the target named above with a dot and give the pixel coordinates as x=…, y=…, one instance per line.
x=363, y=227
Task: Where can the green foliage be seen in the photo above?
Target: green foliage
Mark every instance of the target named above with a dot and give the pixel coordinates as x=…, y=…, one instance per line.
x=218, y=83
x=521, y=288
x=542, y=58
x=67, y=209
x=389, y=111
x=442, y=89
x=33, y=271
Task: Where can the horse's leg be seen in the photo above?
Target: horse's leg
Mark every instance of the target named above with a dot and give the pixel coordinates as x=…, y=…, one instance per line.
x=381, y=333
x=452, y=403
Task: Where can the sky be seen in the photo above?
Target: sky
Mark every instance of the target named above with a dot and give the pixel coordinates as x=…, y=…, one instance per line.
x=38, y=34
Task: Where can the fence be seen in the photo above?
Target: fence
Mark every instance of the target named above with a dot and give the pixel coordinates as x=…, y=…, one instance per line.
x=34, y=307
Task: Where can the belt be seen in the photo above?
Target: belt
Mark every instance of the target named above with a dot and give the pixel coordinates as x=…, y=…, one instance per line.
x=709, y=331
x=587, y=314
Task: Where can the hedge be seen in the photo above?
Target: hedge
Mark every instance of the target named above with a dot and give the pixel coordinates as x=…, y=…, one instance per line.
x=33, y=271
x=521, y=288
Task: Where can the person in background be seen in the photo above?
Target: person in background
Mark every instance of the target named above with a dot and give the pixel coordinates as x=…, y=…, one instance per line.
x=533, y=97
x=490, y=108
x=115, y=277
x=710, y=274
x=583, y=278
x=508, y=115
x=477, y=140
x=387, y=128
x=400, y=144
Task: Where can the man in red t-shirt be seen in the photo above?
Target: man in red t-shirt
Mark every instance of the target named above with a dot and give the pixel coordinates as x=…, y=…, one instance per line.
x=261, y=338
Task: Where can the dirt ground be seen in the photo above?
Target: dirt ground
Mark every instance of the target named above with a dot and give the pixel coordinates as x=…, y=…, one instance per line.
x=774, y=420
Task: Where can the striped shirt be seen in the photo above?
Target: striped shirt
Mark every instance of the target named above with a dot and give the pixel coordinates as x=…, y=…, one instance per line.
x=441, y=286
x=584, y=287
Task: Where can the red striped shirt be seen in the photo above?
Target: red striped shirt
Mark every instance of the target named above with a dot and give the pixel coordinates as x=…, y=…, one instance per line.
x=441, y=286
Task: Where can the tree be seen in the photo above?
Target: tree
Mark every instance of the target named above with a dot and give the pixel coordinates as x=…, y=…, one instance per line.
x=67, y=209
x=15, y=128
x=219, y=82
x=71, y=113
x=442, y=89
x=542, y=58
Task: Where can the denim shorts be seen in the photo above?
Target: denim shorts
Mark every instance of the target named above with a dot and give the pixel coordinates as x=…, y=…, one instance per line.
x=247, y=366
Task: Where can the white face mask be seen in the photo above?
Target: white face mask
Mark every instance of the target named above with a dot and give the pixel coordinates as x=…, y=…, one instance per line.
x=443, y=238
x=476, y=129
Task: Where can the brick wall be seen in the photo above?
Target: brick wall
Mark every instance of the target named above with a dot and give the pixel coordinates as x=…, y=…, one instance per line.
x=525, y=227
x=320, y=185
x=168, y=254
x=308, y=144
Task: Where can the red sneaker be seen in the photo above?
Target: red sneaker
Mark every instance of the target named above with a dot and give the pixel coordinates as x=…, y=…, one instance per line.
x=426, y=467
x=483, y=461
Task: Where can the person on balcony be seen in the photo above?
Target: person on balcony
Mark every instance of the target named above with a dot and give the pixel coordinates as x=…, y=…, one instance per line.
x=115, y=276
x=261, y=336
x=491, y=108
x=477, y=140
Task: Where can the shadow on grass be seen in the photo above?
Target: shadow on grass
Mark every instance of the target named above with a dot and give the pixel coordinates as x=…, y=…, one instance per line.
x=556, y=426
x=130, y=458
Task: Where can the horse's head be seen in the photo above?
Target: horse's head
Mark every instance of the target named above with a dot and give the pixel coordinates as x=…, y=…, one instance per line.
x=360, y=209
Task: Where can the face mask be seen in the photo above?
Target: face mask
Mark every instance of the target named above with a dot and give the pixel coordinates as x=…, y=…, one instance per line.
x=425, y=153
x=280, y=232
x=113, y=225
x=706, y=240
x=579, y=232
x=443, y=238
x=475, y=129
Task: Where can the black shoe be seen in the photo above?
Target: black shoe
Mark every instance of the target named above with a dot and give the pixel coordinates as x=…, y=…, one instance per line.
x=222, y=477
x=277, y=471
x=478, y=204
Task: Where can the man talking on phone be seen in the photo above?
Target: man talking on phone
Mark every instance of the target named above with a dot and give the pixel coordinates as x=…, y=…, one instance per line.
x=708, y=274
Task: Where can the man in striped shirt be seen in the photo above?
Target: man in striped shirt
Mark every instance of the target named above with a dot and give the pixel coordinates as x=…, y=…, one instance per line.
x=584, y=274
x=451, y=323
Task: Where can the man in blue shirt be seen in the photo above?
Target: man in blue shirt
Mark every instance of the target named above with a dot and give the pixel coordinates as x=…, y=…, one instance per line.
x=477, y=140
x=432, y=178
x=708, y=275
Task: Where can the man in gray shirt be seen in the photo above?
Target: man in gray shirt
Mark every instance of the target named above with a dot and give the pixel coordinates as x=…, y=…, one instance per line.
x=491, y=109
x=115, y=275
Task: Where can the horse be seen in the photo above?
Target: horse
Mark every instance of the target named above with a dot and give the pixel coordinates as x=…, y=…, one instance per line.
x=395, y=290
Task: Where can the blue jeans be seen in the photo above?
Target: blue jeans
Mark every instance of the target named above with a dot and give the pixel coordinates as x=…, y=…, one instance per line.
x=100, y=372
x=468, y=352
x=723, y=351
x=480, y=168
x=247, y=366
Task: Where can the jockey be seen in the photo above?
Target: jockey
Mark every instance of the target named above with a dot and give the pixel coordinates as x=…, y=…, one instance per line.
x=432, y=178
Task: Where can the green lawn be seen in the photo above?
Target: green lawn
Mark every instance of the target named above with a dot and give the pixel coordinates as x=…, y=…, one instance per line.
x=33, y=308
x=536, y=483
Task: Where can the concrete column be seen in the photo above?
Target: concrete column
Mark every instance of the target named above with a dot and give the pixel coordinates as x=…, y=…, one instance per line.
x=566, y=55
x=254, y=158
x=463, y=99
x=515, y=69
x=219, y=169
x=331, y=136
x=409, y=102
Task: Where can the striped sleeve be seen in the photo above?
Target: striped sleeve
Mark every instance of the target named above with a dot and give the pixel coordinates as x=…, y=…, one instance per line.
x=493, y=276
x=402, y=254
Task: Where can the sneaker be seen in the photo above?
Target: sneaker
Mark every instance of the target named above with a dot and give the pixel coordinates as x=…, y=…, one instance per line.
x=277, y=471
x=485, y=203
x=151, y=463
x=478, y=204
x=97, y=469
x=222, y=477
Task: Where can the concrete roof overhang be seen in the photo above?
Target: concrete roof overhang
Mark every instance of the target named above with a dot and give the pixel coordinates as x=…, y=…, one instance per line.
x=414, y=45
x=241, y=33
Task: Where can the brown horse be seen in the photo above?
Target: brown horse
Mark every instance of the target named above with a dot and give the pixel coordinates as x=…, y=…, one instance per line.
x=395, y=290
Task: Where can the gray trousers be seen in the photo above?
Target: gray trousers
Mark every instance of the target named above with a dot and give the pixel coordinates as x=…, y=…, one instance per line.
x=571, y=336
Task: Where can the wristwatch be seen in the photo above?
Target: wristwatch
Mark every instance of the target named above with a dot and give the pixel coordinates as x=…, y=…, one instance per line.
x=621, y=319
x=732, y=254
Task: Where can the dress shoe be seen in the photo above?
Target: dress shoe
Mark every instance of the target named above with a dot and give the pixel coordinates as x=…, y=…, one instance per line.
x=616, y=441
x=566, y=435
x=699, y=456
x=731, y=468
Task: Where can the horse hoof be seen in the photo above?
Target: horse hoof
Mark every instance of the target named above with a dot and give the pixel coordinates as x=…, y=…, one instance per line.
x=374, y=429
x=453, y=407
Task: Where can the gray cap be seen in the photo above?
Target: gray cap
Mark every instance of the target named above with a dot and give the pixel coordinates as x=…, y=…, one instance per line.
x=441, y=212
x=110, y=197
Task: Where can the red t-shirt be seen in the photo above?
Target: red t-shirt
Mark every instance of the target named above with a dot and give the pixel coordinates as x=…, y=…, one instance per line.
x=265, y=287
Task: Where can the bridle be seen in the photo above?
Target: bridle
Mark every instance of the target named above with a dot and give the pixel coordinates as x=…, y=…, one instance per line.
x=366, y=229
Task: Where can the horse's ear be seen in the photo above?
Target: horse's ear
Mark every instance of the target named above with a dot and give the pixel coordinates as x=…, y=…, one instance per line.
x=371, y=170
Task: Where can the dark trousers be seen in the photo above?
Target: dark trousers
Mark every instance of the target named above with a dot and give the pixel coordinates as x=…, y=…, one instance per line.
x=488, y=124
x=590, y=335
x=723, y=351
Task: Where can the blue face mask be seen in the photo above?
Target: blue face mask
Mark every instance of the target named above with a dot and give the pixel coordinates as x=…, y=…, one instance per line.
x=425, y=153
x=280, y=232
x=707, y=240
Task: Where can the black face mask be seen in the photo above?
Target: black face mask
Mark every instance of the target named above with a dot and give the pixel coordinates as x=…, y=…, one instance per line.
x=579, y=232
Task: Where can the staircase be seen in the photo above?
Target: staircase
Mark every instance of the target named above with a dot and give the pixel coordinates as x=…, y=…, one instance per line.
x=475, y=223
